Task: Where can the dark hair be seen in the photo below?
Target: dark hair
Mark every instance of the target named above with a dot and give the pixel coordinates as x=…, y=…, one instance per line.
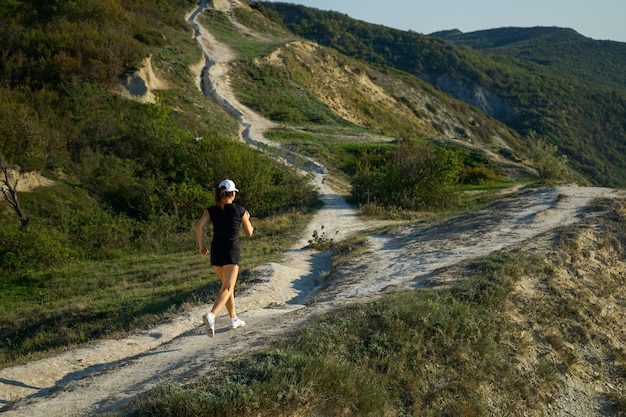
x=221, y=195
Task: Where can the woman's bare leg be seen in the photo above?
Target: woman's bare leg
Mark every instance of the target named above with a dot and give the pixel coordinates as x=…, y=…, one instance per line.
x=228, y=276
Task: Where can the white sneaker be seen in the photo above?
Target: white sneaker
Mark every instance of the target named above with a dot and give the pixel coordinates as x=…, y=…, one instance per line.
x=209, y=322
x=236, y=322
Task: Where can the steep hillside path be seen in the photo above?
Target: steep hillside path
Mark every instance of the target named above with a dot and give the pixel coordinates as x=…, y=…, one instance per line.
x=103, y=376
x=336, y=217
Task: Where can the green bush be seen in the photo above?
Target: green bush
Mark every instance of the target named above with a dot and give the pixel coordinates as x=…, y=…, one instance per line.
x=477, y=175
x=24, y=248
x=549, y=164
x=267, y=187
x=67, y=224
x=413, y=176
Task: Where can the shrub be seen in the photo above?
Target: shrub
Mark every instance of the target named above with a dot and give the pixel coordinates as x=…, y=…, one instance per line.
x=320, y=241
x=479, y=175
x=412, y=176
x=545, y=159
x=30, y=247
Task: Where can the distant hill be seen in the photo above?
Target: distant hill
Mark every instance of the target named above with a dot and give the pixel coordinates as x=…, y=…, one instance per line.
x=567, y=88
x=565, y=50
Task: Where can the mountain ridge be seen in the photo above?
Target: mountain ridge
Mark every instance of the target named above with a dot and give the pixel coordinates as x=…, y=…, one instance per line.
x=598, y=61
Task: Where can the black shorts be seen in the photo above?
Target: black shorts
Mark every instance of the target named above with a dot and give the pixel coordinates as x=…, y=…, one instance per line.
x=221, y=257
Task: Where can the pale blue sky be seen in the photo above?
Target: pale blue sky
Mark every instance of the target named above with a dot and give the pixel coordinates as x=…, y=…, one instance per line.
x=597, y=19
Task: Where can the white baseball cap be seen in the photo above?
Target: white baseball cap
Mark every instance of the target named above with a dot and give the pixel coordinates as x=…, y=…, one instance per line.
x=229, y=186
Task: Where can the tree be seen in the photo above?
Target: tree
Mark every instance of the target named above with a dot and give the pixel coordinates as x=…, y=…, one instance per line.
x=9, y=181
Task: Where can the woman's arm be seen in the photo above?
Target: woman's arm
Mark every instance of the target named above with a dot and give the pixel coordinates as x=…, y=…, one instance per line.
x=199, y=231
x=248, y=229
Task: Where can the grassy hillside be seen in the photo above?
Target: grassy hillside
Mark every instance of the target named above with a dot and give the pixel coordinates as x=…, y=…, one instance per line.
x=65, y=118
x=581, y=110
x=131, y=177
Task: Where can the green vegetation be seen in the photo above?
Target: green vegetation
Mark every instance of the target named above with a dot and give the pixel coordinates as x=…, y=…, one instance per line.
x=161, y=193
x=320, y=240
x=338, y=148
x=582, y=115
x=131, y=178
x=272, y=92
x=108, y=249
x=412, y=176
x=95, y=254
x=290, y=94
x=243, y=44
x=560, y=49
x=549, y=165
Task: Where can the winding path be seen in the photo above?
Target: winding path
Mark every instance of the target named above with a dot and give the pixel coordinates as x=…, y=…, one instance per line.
x=108, y=374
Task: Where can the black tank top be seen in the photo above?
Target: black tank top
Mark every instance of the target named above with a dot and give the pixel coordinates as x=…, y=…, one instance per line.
x=226, y=225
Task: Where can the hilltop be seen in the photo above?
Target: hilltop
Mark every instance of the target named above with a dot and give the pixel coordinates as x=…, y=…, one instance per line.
x=562, y=50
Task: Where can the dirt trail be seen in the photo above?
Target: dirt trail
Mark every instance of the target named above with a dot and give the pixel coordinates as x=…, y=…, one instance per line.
x=106, y=375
